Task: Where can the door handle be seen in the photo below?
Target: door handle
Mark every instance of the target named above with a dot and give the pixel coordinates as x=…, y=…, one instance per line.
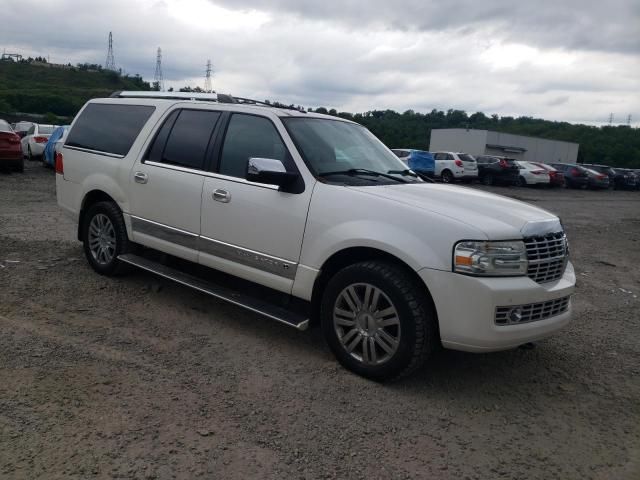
x=220, y=195
x=140, y=177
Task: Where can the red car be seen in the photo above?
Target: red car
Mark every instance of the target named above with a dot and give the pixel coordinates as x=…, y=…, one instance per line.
x=10, y=149
x=556, y=177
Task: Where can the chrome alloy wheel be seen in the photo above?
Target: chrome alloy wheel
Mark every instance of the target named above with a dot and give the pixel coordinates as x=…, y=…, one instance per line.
x=366, y=323
x=102, y=239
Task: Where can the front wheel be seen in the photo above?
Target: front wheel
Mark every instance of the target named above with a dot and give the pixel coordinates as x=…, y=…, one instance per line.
x=104, y=237
x=378, y=321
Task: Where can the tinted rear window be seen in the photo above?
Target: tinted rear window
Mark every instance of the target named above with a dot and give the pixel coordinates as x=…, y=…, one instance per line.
x=109, y=128
x=466, y=158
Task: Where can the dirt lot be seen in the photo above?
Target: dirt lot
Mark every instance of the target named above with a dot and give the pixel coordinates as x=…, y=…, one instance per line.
x=141, y=378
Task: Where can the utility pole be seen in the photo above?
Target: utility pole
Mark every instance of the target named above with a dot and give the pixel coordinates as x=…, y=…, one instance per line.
x=158, y=81
x=110, y=64
x=207, y=78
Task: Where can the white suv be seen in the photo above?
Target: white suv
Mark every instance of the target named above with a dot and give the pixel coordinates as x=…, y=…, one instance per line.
x=452, y=166
x=310, y=218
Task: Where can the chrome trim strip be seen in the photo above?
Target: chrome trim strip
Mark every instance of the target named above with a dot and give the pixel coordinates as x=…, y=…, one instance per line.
x=95, y=152
x=164, y=232
x=210, y=175
x=244, y=256
x=250, y=258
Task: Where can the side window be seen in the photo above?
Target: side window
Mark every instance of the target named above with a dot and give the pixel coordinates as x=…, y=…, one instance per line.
x=188, y=138
x=249, y=136
x=108, y=127
x=157, y=148
x=450, y=157
x=437, y=156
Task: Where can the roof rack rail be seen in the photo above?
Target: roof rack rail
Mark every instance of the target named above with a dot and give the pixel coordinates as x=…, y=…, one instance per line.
x=205, y=97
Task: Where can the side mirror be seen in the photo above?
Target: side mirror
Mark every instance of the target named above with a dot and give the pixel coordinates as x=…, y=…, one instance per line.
x=269, y=171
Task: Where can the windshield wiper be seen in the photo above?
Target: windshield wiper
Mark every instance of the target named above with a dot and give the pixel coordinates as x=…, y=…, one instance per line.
x=362, y=171
x=411, y=173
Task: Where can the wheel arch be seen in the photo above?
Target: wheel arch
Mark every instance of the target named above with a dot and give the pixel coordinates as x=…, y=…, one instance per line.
x=352, y=255
x=90, y=198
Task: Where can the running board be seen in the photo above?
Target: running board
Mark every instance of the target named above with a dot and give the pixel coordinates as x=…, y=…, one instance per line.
x=256, y=305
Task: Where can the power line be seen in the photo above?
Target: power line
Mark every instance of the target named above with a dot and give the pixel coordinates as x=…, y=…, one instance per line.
x=158, y=81
x=207, y=78
x=110, y=64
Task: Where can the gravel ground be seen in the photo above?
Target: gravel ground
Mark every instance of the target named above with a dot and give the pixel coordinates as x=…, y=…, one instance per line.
x=137, y=377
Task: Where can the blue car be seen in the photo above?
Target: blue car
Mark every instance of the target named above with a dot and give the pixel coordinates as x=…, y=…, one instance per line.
x=419, y=161
x=48, y=156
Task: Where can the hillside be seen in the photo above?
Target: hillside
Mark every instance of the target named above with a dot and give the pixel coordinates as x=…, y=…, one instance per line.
x=40, y=88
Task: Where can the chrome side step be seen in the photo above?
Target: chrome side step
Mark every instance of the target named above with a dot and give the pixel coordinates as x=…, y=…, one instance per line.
x=274, y=312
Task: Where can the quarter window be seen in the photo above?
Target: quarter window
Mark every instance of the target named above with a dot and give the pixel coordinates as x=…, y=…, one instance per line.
x=108, y=128
x=249, y=136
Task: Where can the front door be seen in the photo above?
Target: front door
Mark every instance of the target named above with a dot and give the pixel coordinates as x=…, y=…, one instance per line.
x=251, y=230
x=166, y=185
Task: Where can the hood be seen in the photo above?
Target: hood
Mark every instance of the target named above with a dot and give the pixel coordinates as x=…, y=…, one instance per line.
x=499, y=217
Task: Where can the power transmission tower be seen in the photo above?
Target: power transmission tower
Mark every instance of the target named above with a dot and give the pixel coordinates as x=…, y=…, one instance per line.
x=629, y=119
x=110, y=63
x=207, y=78
x=158, y=81
x=610, y=119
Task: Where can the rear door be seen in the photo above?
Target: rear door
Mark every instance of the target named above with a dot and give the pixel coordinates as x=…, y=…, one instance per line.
x=252, y=230
x=166, y=184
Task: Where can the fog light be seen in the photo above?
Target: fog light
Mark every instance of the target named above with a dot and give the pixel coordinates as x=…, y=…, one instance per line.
x=515, y=315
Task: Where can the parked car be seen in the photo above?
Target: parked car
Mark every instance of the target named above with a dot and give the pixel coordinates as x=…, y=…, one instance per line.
x=319, y=220
x=597, y=180
x=454, y=166
x=497, y=170
x=10, y=151
x=21, y=128
x=634, y=178
x=53, y=145
x=36, y=138
x=575, y=176
x=531, y=174
x=419, y=161
x=625, y=179
x=556, y=177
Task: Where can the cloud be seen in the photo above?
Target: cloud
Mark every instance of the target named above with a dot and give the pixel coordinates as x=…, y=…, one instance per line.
x=559, y=62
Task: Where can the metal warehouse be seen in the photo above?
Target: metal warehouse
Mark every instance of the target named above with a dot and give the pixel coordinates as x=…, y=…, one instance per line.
x=486, y=142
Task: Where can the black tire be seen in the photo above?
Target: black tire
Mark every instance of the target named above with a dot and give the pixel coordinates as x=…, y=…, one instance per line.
x=447, y=176
x=487, y=179
x=122, y=243
x=29, y=156
x=417, y=331
x=19, y=166
x=522, y=182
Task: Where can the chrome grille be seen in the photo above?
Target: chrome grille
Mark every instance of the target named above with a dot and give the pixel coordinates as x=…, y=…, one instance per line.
x=547, y=256
x=517, y=314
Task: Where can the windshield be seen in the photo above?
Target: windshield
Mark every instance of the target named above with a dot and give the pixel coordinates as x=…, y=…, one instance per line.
x=330, y=146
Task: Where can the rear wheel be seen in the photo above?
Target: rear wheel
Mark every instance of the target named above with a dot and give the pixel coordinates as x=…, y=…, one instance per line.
x=19, y=166
x=104, y=237
x=447, y=176
x=377, y=321
x=522, y=182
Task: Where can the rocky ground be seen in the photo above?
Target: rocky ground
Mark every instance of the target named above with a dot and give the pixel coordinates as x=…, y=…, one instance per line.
x=137, y=377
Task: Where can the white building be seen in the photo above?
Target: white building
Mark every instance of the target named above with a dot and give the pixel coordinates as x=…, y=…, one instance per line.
x=520, y=147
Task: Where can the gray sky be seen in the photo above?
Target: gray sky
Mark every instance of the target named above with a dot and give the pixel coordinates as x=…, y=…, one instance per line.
x=573, y=60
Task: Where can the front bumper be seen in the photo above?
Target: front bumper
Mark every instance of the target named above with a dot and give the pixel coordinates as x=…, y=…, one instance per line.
x=466, y=308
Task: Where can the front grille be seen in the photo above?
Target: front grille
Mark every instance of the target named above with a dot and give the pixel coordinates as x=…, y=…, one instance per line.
x=547, y=257
x=517, y=314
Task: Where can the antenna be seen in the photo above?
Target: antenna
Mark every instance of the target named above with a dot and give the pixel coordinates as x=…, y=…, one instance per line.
x=158, y=81
x=110, y=64
x=207, y=78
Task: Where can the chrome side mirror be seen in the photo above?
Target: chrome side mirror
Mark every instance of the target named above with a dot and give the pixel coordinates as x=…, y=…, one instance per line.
x=269, y=171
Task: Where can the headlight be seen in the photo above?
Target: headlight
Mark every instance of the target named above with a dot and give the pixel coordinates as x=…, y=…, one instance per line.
x=495, y=259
